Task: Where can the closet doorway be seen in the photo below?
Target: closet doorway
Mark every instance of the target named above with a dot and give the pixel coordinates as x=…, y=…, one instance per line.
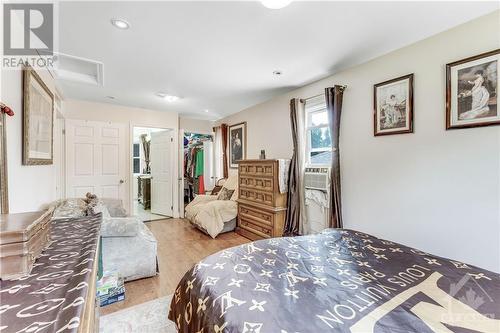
x=152, y=173
x=198, y=165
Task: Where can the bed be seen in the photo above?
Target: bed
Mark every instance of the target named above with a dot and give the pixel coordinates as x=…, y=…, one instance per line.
x=336, y=281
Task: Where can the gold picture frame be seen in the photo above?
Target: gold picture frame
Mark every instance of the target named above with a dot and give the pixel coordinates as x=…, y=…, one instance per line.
x=4, y=188
x=38, y=120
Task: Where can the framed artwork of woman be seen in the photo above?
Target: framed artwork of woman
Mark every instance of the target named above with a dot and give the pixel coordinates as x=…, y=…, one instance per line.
x=472, y=91
x=237, y=143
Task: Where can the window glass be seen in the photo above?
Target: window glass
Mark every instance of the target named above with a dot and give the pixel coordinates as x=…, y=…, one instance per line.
x=319, y=142
x=320, y=138
x=136, y=149
x=137, y=165
x=320, y=158
x=318, y=118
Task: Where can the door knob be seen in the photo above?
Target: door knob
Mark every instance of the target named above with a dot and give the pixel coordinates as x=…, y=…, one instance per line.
x=122, y=181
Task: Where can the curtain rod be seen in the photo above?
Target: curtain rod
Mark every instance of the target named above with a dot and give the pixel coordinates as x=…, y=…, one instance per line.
x=302, y=100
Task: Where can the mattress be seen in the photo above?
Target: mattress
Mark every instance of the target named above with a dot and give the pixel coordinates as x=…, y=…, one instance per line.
x=336, y=281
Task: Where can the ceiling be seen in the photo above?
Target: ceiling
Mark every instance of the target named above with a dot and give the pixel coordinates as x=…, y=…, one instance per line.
x=220, y=56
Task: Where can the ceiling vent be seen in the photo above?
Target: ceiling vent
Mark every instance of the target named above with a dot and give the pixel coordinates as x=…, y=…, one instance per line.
x=80, y=70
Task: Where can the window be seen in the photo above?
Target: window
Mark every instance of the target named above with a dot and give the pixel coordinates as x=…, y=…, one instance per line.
x=319, y=142
x=137, y=158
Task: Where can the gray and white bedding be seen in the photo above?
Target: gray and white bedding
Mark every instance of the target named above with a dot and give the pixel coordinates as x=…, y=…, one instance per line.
x=336, y=281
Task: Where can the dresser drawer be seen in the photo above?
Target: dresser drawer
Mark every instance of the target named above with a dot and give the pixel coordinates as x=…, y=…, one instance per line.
x=257, y=169
x=262, y=184
x=262, y=217
x=255, y=227
x=265, y=198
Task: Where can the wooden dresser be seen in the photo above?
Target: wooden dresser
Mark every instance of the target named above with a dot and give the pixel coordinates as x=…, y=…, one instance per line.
x=261, y=206
x=144, y=190
x=23, y=237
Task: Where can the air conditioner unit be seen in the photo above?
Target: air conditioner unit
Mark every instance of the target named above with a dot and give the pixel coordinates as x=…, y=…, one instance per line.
x=317, y=179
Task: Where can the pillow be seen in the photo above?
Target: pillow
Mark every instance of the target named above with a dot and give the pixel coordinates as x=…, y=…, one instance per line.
x=234, y=197
x=225, y=194
x=216, y=190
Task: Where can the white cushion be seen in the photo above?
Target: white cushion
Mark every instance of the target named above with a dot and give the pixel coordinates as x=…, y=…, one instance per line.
x=120, y=226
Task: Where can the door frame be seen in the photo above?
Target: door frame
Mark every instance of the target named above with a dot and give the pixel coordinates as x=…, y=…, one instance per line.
x=60, y=155
x=175, y=171
x=180, y=163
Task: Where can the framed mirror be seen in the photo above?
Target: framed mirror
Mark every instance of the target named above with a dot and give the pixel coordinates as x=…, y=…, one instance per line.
x=4, y=189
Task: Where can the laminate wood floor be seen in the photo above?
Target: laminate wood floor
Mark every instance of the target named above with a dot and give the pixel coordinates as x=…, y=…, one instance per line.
x=180, y=246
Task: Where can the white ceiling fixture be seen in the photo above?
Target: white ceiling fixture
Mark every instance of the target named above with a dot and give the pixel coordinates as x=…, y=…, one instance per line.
x=215, y=52
x=167, y=97
x=275, y=4
x=120, y=23
x=206, y=111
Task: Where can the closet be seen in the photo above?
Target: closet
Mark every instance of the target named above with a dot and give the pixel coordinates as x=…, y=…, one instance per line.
x=198, y=165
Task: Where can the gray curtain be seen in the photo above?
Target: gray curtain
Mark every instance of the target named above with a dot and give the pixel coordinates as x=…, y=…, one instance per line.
x=334, y=108
x=292, y=223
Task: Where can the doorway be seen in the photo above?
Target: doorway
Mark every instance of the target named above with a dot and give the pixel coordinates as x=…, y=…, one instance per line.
x=152, y=173
x=198, y=175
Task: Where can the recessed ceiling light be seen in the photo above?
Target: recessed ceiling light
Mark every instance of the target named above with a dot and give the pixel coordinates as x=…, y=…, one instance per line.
x=171, y=98
x=275, y=4
x=206, y=111
x=120, y=24
x=277, y=72
x=167, y=97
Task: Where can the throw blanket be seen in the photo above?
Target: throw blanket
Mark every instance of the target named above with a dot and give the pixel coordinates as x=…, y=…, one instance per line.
x=336, y=281
x=284, y=168
x=210, y=214
x=52, y=297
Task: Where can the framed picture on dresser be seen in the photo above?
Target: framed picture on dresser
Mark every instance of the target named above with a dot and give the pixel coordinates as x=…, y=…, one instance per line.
x=237, y=143
x=472, y=91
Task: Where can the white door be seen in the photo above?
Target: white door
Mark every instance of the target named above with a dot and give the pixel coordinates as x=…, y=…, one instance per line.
x=162, y=160
x=96, y=159
x=181, y=173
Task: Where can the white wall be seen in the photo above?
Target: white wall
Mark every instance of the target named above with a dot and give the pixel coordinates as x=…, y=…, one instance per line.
x=196, y=125
x=436, y=190
x=30, y=187
x=83, y=110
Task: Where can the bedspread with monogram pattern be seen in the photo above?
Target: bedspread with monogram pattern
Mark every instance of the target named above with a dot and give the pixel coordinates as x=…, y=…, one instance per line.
x=336, y=281
x=52, y=297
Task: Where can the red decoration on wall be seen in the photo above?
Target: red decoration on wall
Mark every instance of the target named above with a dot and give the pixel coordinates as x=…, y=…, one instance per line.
x=5, y=109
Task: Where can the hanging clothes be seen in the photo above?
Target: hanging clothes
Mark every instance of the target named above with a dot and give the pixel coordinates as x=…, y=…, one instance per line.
x=201, y=185
x=194, y=164
x=199, y=163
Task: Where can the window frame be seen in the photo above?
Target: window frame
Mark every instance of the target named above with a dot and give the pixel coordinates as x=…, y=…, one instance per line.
x=318, y=107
